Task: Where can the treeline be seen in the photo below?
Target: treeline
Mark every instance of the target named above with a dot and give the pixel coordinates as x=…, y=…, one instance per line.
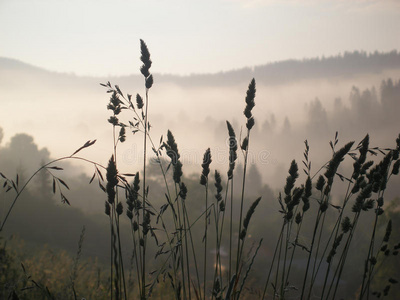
x=341, y=65
x=368, y=110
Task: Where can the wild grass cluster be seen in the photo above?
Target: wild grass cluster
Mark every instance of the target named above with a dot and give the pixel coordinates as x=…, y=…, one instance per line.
x=178, y=252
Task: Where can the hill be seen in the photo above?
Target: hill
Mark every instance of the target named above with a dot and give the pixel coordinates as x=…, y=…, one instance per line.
x=343, y=65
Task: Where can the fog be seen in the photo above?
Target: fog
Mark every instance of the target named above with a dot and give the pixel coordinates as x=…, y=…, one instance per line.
x=309, y=99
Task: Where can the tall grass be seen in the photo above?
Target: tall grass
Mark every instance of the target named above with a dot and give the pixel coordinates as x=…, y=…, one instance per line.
x=167, y=249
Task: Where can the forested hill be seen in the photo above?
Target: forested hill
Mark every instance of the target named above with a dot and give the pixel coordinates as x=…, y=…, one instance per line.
x=342, y=65
x=346, y=65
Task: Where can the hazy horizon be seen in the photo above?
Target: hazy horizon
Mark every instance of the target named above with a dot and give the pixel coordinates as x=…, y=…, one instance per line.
x=62, y=112
x=14, y=61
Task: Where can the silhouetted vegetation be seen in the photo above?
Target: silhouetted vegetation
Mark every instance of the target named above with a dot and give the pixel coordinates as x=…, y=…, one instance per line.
x=331, y=232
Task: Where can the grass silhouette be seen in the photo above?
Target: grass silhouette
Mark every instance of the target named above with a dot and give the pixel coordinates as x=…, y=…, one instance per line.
x=168, y=237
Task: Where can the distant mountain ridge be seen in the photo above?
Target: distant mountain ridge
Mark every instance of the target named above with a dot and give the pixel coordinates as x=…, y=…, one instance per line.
x=346, y=65
x=15, y=64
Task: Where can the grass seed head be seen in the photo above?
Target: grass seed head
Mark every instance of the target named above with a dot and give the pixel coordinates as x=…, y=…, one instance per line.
x=324, y=206
x=112, y=179
x=113, y=120
x=146, y=223
x=218, y=185
x=136, y=186
x=298, y=218
x=122, y=136
x=145, y=58
x=206, y=167
x=112, y=172
x=139, y=101
x=297, y=194
x=250, y=123
x=232, y=149
x=335, y=162
x=183, y=190
x=107, y=208
x=135, y=226
x=291, y=179
x=172, y=148
x=177, y=172
x=346, y=225
x=247, y=219
x=149, y=82
x=308, y=188
x=250, y=96
x=119, y=209
x=320, y=183
x=245, y=144
x=363, y=150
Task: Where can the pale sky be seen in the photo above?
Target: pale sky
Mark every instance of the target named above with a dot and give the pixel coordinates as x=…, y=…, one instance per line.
x=101, y=38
